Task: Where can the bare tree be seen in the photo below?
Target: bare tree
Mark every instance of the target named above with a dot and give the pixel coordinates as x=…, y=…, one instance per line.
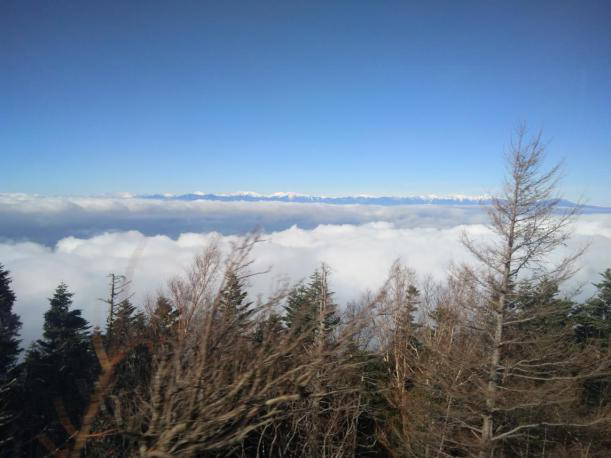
x=119, y=290
x=530, y=359
x=429, y=362
x=324, y=423
x=494, y=356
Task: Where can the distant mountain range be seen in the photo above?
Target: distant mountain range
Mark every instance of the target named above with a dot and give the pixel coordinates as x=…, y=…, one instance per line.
x=455, y=199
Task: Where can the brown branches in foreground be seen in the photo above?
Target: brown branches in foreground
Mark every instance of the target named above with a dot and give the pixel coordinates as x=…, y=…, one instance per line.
x=221, y=379
x=491, y=365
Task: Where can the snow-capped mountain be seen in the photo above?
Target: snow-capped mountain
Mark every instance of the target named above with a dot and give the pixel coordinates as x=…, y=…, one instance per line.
x=343, y=200
x=430, y=199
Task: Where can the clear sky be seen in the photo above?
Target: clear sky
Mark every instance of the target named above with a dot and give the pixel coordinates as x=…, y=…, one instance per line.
x=326, y=97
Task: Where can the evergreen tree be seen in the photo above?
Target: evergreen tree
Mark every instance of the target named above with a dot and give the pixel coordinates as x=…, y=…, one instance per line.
x=541, y=297
x=119, y=286
x=233, y=304
x=9, y=350
x=127, y=323
x=594, y=317
x=594, y=326
x=125, y=331
x=546, y=316
x=59, y=370
x=129, y=332
x=299, y=313
x=126, y=338
x=268, y=327
x=303, y=308
x=6, y=414
x=9, y=326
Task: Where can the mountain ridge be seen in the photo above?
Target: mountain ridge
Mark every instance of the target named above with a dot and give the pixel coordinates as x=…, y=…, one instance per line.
x=431, y=199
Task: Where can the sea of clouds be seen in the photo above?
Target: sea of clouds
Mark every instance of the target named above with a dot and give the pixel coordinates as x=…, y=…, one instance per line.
x=44, y=241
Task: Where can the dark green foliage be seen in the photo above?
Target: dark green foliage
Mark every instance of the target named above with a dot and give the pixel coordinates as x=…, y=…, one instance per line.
x=407, y=317
x=541, y=299
x=64, y=329
x=594, y=327
x=9, y=351
x=59, y=370
x=375, y=407
x=269, y=326
x=594, y=317
x=9, y=326
x=233, y=304
x=129, y=338
x=547, y=324
x=129, y=343
x=128, y=325
x=302, y=311
x=126, y=332
x=119, y=286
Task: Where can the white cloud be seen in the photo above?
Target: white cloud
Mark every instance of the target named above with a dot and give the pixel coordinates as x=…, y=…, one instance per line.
x=359, y=255
x=49, y=219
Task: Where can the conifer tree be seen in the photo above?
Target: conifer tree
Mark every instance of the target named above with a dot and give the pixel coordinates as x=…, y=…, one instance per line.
x=9, y=350
x=594, y=317
x=127, y=324
x=129, y=332
x=59, y=370
x=9, y=326
x=298, y=311
x=594, y=326
x=119, y=286
x=303, y=308
x=270, y=325
x=233, y=304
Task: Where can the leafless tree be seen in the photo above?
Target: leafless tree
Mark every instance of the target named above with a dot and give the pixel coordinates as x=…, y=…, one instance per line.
x=530, y=360
x=324, y=423
x=429, y=362
x=493, y=357
x=216, y=386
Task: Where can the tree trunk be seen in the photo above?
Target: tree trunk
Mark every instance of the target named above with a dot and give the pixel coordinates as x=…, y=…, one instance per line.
x=487, y=446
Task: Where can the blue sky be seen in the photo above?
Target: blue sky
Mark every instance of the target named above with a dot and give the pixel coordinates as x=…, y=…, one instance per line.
x=316, y=97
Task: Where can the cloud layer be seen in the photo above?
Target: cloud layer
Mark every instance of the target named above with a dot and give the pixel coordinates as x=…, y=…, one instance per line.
x=49, y=219
x=359, y=255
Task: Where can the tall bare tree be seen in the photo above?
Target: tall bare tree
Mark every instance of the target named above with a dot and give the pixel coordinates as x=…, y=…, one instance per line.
x=529, y=362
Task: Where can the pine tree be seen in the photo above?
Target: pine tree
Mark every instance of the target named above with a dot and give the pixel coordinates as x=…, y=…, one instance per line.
x=9, y=326
x=59, y=370
x=303, y=308
x=126, y=341
x=119, y=286
x=299, y=313
x=594, y=326
x=268, y=327
x=594, y=317
x=129, y=333
x=127, y=323
x=233, y=304
x=541, y=296
x=9, y=350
